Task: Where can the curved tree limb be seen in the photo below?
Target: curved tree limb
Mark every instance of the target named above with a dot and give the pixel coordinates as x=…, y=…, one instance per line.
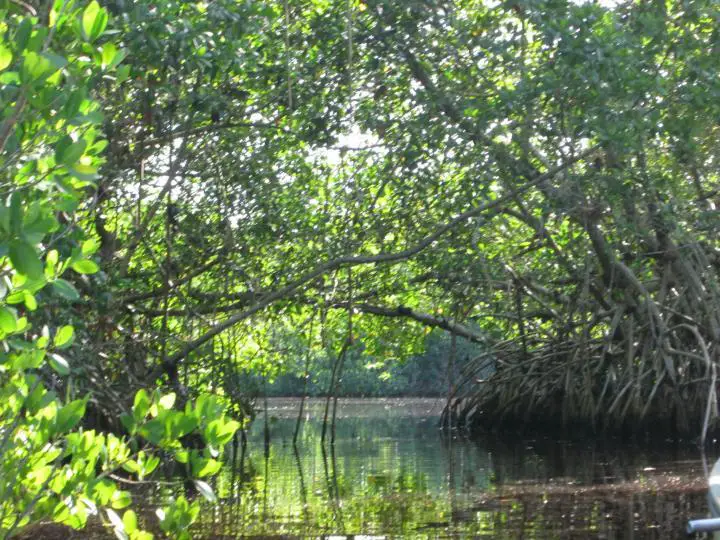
x=382, y=258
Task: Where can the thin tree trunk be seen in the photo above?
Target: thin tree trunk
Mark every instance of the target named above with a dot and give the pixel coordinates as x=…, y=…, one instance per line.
x=298, y=422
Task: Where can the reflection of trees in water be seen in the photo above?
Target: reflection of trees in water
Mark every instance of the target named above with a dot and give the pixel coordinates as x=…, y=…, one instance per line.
x=608, y=513
x=390, y=474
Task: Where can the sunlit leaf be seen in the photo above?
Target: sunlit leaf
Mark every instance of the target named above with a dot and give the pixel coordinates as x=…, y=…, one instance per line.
x=8, y=322
x=205, y=490
x=5, y=57
x=70, y=415
x=94, y=21
x=85, y=266
x=64, y=336
x=59, y=364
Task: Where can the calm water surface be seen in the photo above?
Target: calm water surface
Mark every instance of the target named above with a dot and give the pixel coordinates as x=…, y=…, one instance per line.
x=392, y=473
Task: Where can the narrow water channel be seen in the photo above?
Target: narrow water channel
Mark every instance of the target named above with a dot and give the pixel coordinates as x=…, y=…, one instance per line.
x=391, y=473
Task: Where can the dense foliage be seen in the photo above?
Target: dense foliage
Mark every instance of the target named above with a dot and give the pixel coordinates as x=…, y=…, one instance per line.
x=426, y=374
x=51, y=142
x=195, y=190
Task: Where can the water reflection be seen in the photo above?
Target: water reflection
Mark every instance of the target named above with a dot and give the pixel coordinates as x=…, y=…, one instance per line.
x=391, y=473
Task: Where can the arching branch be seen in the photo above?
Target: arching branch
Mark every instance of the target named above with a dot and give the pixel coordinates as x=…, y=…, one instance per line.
x=381, y=258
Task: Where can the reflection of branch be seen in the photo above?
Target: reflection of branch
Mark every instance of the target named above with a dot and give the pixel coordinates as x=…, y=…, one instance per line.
x=381, y=258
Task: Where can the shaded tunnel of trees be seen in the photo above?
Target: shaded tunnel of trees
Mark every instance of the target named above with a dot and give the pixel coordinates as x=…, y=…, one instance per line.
x=275, y=187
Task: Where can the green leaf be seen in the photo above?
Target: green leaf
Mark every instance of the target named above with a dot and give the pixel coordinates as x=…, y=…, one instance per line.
x=64, y=337
x=119, y=57
x=56, y=61
x=150, y=465
x=90, y=246
x=123, y=73
x=22, y=324
x=23, y=33
x=120, y=499
x=13, y=77
x=5, y=57
x=8, y=322
x=36, y=67
x=85, y=266
x=131, y=466
x=109, y=51
x=153, y=431
x=205, y=490
x=141, y=405
x=130, y=521
x=68, y=152
x=73, y=103
x=70, y=415
x=219, y=432
x=86, y=173
x=25, y=259
x=102, y=490
x=128, y=423
x=30, y=300
x=205, y=466
x=65, y=289
x=167, y=401
x=183, y=424
x=59, y=364
x=94, y=21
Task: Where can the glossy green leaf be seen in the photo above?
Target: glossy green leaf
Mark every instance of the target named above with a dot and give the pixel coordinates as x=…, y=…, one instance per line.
x=59, y=364
x=68, y=152
x=85, y=266
x=8, y=322
x=128, y=423
x=73, y=103
x=130, y=521
x=141, y=405
x=30, y=301
x=202, y=467
x=153, y=431
x=64, y=337
x=205, y=490
x=70, y=415
x=25, y=259
x=90, y=247
x=167, y=401
x=5, y=57
x=85, y=173
x=108, y=54
x=120, y=499
x=23, y=33
x=65, y=289
x=36, y=66
x=94, y=21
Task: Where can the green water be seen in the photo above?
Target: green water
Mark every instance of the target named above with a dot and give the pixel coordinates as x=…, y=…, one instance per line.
x=392, y=473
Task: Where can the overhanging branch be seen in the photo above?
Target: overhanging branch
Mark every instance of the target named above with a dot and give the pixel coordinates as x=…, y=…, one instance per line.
x=423, y=318
x=381, y=258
